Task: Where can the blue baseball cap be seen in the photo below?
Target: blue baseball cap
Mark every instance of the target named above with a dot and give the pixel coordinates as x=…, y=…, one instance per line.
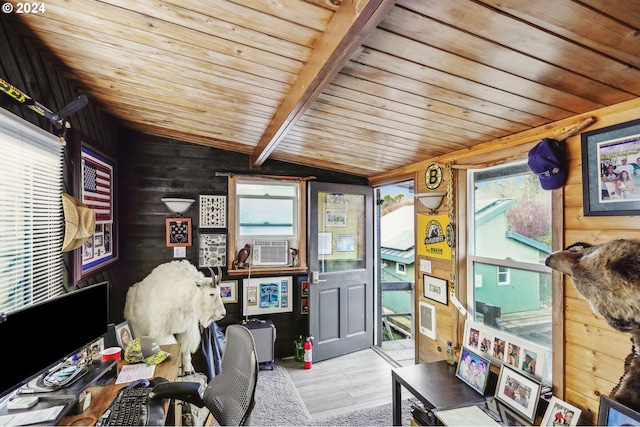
x=546, y=161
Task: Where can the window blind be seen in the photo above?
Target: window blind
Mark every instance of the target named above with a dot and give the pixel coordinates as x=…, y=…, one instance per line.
x=31, y=220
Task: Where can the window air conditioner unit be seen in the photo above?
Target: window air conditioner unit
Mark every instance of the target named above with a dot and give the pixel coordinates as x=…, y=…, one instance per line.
x=270, y=252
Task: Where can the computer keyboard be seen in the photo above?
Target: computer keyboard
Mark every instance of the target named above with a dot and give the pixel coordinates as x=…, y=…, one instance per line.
x=132, y=407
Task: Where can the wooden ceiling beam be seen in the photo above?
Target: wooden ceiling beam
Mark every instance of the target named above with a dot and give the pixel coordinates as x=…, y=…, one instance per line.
x=349, y=27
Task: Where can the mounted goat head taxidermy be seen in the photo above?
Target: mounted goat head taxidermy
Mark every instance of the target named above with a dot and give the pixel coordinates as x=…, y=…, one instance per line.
x=608, y=277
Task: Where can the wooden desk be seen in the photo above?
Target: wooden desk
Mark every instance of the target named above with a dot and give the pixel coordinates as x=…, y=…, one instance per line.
x=436, y=386
x=102, y=396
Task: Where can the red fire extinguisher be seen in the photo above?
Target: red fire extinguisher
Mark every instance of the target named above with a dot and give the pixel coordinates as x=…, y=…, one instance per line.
x=308, y=348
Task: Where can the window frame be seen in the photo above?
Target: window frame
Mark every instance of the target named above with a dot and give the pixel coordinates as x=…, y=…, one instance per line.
x=236, y=242
x=466, y=267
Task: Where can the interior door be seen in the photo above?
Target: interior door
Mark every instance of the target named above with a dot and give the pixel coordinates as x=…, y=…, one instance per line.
x=341, y=258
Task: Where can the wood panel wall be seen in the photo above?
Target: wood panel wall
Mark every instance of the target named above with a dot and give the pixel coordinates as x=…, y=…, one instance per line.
x=589, y=355
x=151, y=168
x=37, y=77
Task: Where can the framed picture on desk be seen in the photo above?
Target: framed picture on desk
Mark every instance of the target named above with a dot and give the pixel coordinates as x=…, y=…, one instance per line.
x=473, y=369
x=519, y=392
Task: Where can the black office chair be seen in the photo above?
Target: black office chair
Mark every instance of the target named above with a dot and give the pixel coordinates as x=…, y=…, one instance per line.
x=230, y=395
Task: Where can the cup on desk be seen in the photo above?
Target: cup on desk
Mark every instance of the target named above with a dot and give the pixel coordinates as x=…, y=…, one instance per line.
x=111, y=353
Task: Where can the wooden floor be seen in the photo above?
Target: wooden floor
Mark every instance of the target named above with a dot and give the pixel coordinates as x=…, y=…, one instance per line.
x=347, y=383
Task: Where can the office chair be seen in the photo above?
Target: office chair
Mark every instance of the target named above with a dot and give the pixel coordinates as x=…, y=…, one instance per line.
x=230, y=395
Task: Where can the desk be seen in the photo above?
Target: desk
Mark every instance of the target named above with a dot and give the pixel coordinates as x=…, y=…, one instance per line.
x=102, y=396
x=436, y=386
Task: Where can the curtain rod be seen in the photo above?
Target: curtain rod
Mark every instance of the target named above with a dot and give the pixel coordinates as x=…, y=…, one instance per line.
x=276, y=177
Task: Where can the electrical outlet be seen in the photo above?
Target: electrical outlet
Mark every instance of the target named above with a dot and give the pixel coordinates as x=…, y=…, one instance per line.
x=425, y=266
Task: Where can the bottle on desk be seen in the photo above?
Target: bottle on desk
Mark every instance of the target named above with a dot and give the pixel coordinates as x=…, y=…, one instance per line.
x=451, y=359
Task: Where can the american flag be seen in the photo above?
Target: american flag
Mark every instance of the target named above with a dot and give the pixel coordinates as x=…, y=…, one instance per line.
x=96, y=188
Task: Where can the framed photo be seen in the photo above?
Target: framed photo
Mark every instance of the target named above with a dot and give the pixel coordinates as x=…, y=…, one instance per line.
x=473, y=369
x=613, y=413
x=510, y=418
x=178, y=232
x=435, y=288
x=229, y=290
x=345, y=243
x=518, y=391
x=94, y=178
x=212, y=250
x=213, y=211
x=427, y=319
x=335, y=218
x=124, y=334
x=560, y=413
x=611, y=170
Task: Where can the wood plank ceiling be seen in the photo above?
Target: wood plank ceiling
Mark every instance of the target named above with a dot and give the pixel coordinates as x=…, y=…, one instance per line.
x=362, y=87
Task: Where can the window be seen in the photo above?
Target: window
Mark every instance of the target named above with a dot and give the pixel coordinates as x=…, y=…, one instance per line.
x=503, y=276
x=401, y=268
x=31, y=223
x=266, y=213
x=509, y=239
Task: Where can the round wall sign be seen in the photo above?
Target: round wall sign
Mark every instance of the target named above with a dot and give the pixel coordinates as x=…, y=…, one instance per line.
x=433, y=176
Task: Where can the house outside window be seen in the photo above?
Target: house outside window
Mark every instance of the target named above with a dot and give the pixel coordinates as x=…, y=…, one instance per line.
x=509, y=239
x=401, y=268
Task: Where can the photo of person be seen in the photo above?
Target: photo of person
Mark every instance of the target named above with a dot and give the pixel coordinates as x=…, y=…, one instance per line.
x=486, y=343
x=473, y=338
x=498, y=348
x=513, y=355
x=124, y=334
x=560, y=413
x=473, y=369
x=529, y=362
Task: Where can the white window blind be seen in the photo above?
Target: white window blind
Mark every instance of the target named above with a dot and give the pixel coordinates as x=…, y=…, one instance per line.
x=31, y=220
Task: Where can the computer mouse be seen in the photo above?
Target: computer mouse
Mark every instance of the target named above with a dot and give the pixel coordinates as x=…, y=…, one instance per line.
x=139, y=383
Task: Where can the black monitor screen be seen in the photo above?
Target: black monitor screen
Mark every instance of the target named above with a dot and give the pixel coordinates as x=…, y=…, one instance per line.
x=39, y=336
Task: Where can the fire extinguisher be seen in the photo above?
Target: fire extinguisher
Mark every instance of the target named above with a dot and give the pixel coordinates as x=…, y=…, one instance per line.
x=308, y=348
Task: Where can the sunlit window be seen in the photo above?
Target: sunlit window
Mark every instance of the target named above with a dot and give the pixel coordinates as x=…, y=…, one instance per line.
x=510, y=237
x=31, y=223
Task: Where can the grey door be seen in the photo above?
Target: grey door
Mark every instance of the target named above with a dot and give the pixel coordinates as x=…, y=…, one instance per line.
x=341, y=281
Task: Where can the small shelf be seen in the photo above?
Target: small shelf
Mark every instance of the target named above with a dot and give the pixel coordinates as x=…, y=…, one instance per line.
x=268, y=270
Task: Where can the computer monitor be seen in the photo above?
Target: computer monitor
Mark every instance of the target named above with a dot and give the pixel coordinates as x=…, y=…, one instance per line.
x=39, y=336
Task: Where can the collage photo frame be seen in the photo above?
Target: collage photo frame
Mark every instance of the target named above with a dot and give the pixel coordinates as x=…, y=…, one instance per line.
x=503, y=348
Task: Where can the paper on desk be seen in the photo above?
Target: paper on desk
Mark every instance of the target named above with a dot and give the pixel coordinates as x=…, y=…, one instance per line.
x=135, y=371
x=39, y=416
x=466, y=416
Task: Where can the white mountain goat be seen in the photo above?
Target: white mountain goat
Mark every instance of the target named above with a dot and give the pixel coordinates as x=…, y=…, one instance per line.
x=171, y=303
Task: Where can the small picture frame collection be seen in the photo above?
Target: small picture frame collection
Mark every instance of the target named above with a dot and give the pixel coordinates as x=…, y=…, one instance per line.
x=503, y=348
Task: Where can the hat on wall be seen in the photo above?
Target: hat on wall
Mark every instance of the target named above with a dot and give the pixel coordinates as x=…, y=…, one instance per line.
x=79, y=223
x=546, y=161
x=145, y=349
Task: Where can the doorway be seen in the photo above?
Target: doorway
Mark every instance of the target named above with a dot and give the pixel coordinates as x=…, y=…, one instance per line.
x=396, y=272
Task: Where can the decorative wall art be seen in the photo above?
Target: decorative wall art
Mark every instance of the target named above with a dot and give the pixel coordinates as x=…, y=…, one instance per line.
x=345, y=243
x=229, y=291
x=604, y=193
x=435, y=288
x=95, y=187
x=212, y=250
x=213, y=211
x=178, y=231
x=335, y=218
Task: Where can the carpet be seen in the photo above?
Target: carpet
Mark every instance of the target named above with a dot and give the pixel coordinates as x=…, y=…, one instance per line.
x=279, y=404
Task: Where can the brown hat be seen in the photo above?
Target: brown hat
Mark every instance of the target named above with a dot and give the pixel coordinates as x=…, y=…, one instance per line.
x=80, y=223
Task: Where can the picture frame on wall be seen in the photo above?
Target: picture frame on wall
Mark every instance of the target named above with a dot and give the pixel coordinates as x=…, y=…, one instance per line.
x=178, y=232
x=561, y=413
x=213, y=211
x=229, y=291
x=613, y=413
x=95, y=186
x=435, y=289
x=617, y=146
x=518, y=391
x=212, y=250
